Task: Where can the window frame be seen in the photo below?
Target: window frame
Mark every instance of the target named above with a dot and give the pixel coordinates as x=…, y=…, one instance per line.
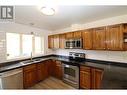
x=21, y=47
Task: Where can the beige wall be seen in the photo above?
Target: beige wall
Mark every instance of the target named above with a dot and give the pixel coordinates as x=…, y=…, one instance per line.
x=117, y=56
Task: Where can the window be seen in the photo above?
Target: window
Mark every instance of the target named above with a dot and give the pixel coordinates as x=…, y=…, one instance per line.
x=22, y=45
x=26, y=44
x=38, y=44
x=13, y=45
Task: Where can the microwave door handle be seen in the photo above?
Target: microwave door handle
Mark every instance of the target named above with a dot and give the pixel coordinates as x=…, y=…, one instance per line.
x=75, y=44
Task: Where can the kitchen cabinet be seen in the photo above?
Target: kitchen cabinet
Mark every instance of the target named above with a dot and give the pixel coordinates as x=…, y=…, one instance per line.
x=46, y=69
x=77, y=34
x=90, y=78
x=114, y=37
x=102, y=38
x=50, y=41
x=56, y=41
x=85, y=77
x=99, y=37
x=58, y=69
x=35, y=73
x=125, y=36
x=40, y=72
x=29, y=75
x=53, y=41
x=49, y=67
x=62, y=41
x=87, y=39
x=70, y=35
x=97, y=75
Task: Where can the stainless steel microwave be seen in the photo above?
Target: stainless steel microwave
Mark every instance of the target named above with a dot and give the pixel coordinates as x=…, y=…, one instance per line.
x=73, y=43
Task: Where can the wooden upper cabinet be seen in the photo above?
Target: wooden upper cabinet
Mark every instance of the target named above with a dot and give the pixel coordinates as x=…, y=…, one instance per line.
x=62, y=41
x=70, y=35
x=87, y=39
x=99, y=38
x=77, y=34
x=97, y=76
x=114, y=37
x=50, y=41
x=125, y=27
x=56, y=41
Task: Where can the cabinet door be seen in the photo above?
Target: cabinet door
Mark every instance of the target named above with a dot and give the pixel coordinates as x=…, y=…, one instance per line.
x=29, y=76
x=56, y=41
x=51, y=41
x=85, y=77
x=62, y=41
x=87, y=39
x=114, y=37
x=46, y=73
x=50, y=68
x=58, y=70
x=77, y=34
x=40, y=72
x=99, y=38
x=70, y=35
x=97, y=75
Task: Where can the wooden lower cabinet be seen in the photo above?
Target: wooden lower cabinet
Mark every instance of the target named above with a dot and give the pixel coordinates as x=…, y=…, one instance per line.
x=58, y=70
x=41, y=73
x=85, y=77
x=29, y=75
x=90, y=78
x=35, y=73
x=97, y=75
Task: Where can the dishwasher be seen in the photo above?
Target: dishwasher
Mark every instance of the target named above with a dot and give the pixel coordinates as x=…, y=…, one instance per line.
x=12, y=79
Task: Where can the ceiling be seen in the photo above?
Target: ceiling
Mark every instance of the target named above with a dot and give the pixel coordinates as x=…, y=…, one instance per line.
x=65, y=15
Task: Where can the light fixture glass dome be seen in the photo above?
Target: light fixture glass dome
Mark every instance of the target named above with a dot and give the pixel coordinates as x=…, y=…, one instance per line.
x=47, y=11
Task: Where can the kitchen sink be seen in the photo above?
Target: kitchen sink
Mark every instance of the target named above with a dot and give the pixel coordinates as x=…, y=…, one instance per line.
x=38, y=59
x=31, y=61
x=27, y=62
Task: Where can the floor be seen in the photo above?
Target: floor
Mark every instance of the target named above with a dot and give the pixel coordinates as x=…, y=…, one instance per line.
x=52, y=83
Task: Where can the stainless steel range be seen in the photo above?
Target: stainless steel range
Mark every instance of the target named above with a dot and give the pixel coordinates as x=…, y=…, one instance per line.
x=71, y=69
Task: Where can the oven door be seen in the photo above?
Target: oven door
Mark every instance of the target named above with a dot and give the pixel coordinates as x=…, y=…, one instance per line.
x=71, y=73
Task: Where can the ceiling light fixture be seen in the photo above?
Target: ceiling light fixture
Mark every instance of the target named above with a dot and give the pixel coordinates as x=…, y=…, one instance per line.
x=48, y=11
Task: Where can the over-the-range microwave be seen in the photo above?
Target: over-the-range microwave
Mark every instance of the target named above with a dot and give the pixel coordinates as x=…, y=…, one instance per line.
x=73, y=43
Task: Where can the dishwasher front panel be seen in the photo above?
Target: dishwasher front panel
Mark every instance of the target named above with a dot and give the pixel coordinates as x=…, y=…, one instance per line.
x=12, y=79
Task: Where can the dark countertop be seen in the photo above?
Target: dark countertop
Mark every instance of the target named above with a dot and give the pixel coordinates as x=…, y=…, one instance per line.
x=115, y=76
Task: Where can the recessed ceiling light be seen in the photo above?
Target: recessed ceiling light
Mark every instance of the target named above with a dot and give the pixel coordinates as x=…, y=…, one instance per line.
x=48, y=11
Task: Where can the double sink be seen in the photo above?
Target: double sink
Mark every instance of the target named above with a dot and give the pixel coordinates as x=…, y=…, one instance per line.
x=31, y=61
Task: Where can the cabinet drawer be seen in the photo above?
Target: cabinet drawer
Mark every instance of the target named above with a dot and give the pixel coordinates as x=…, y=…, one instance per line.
x=29, y=67
x=85, y=68
x=40, y=65
x=58, y=63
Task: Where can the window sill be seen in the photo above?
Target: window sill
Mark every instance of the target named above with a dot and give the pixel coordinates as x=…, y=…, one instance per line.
x=23, y=57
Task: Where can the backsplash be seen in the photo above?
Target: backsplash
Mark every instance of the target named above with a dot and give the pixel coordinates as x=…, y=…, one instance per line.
x=115, y=56
x=2, y=46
